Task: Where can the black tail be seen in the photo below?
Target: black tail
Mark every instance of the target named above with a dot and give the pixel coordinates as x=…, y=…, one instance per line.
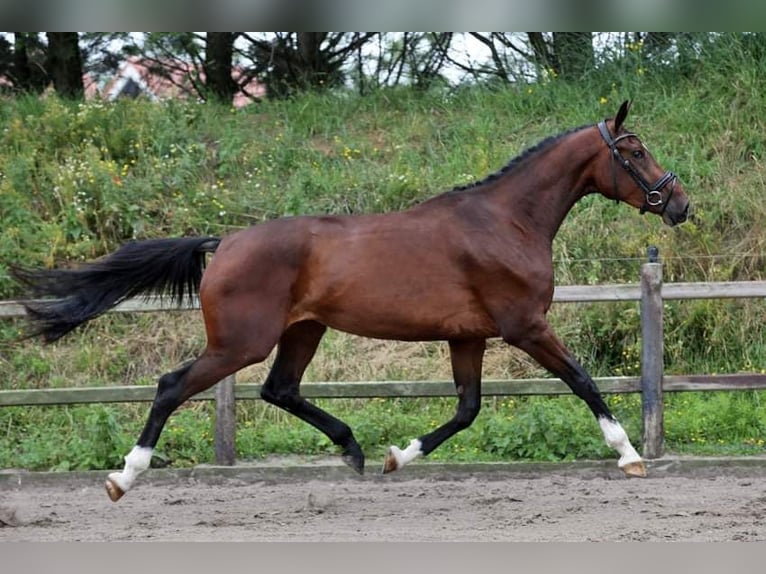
x=161, y=266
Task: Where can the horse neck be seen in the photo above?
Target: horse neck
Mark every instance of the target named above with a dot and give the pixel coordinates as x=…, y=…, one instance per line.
x=539, y=193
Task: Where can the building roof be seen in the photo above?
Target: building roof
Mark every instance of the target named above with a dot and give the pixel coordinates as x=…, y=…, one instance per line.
x=139, y=77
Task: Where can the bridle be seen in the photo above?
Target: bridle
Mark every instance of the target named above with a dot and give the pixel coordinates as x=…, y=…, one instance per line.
x=653, y=192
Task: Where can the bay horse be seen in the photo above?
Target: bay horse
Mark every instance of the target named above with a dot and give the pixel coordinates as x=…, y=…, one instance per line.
x=466, y=265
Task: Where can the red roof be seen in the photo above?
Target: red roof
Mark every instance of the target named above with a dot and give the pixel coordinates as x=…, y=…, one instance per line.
x=137, y=76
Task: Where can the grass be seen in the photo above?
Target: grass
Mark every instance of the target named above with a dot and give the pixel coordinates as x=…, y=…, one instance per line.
x=76, y=180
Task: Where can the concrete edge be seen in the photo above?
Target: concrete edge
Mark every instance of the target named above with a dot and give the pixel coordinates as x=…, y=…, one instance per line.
x=247, y=473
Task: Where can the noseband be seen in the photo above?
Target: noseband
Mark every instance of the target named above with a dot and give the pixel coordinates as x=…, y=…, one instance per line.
x=653, y=192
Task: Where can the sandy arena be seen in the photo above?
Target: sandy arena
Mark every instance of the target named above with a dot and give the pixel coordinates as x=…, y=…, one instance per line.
x=682, y=500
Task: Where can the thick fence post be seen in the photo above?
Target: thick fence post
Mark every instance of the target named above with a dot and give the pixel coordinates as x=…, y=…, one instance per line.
x=652, y=356
x=224, y=441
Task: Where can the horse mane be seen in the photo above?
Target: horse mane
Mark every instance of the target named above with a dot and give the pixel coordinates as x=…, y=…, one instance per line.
x=516, y=161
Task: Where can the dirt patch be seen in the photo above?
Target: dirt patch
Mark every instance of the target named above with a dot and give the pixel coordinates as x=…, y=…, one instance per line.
x=433, y=503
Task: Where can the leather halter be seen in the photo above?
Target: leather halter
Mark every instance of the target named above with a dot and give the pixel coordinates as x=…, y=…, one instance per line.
x=653, y=192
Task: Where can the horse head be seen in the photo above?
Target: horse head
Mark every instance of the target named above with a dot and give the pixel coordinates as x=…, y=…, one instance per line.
x=628, y=172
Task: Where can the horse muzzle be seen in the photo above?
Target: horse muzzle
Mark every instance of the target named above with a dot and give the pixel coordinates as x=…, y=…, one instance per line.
x=676, y=212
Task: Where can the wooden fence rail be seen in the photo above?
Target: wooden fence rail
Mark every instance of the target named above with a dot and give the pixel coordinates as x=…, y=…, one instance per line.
x=650, y=292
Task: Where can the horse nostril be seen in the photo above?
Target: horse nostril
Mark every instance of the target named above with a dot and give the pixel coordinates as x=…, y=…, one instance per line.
x=684, y=214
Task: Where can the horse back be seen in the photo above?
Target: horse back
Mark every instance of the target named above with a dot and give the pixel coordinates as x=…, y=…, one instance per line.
x=396, y=275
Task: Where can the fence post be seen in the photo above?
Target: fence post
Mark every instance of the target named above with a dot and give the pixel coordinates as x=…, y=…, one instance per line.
x=225, y=422
x=652, y=356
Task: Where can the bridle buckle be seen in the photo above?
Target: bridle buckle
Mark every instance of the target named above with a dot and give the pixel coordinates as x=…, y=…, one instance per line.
x=654, y=198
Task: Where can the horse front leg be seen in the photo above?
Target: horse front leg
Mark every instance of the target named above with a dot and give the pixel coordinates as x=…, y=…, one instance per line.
x=543, y=346
x=466, y=358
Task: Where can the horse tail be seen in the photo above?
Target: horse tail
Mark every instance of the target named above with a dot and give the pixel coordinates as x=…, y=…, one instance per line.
x=161, y=266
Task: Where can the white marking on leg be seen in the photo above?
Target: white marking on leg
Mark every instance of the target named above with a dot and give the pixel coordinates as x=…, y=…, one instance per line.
x=407, y=455
x=617, y=438
x=136, y=462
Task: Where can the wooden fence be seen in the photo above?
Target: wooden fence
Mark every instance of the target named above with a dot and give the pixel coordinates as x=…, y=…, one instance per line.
x=650, y=292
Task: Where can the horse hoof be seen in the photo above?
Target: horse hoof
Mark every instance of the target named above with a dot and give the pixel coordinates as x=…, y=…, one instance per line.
x=354, y=462
x=390, y=463
x=354, y=457
x=114, y=491
x=637, y=469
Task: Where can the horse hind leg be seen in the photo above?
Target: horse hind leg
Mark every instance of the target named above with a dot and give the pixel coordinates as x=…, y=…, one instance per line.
x=166, y=400
x=282, y=388
x=173, y=390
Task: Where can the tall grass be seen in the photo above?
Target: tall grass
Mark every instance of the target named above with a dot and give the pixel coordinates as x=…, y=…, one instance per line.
x=76, y=180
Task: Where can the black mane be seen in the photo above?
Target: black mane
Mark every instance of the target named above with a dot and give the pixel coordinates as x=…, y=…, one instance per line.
x=511, y=165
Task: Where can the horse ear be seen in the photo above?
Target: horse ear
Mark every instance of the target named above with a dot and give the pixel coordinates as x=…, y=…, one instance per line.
x=621, y=115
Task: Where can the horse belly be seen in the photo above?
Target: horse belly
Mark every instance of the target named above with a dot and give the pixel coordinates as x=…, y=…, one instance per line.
x=386, y=277
x=401, y=312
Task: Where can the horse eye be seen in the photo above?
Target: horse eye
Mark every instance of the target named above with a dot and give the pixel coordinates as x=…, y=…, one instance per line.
x=638, y=154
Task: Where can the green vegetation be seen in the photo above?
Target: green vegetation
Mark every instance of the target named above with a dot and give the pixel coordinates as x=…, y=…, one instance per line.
x=76, y=180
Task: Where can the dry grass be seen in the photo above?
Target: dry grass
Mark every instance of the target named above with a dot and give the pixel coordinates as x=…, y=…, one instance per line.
x=137, y=349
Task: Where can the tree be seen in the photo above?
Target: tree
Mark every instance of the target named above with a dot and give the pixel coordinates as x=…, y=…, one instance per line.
x=508, y=61
x=567, y=54
x=202, y=65
x=175, y=56
x=292, y=62
x=542, y=53
x=529, y=56
x=411, y=58
x=573, y=53
x=103, y=52
x=64, y=64
x=219, y=54
x=31, y=65
x=6, y=56
x=26, y=68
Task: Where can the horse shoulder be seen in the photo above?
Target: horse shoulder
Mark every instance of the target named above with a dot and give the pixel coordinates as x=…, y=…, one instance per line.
x=505, y=264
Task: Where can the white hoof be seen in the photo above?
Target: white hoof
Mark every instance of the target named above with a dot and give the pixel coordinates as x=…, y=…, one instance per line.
x=394, y=460
x=113, y=489
x=637, y=469
x=137, y=461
